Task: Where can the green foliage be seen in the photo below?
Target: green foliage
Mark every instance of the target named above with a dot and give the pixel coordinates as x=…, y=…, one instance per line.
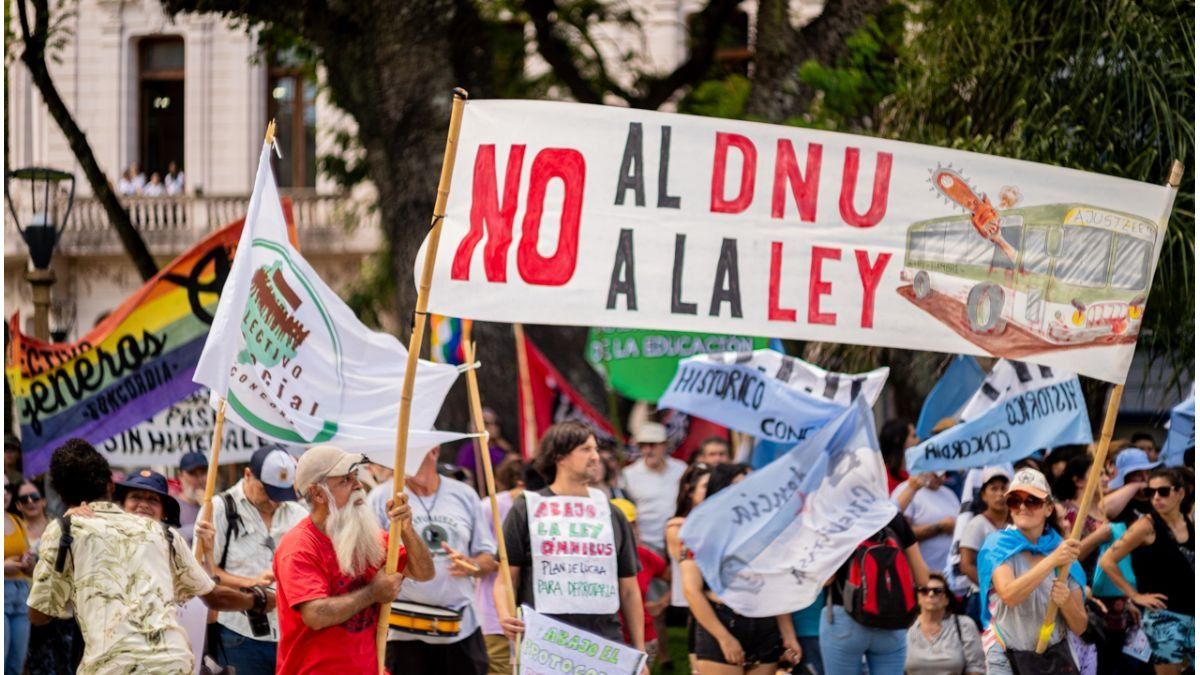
x=849, y=91
x=718, y=98
x=1103, y=87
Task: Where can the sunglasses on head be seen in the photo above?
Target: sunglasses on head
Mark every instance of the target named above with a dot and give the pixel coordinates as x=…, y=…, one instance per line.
x=30, y=498
x=1028, y=501
x=1164, y=491
x=932, y=590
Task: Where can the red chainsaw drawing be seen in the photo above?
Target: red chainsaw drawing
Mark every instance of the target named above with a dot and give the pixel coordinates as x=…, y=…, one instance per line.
x=983, y=215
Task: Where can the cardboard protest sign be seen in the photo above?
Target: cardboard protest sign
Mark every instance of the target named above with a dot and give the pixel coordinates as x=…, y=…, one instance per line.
x=663, y=221
x=639, y=364
x=551, y=647
x=130, y=366
x=186, y=426
x=1043, y=408
x=767, y=545
x=574, y=554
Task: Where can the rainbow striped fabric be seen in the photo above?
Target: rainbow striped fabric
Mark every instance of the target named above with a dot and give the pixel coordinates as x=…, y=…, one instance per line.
x=447, y=339
x=136, y=362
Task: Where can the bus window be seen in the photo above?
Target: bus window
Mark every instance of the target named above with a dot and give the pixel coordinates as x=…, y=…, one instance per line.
x=1035, y=260
x=1132, y=263
x=1010, y=229
x=1083, y=257
x=964, y=246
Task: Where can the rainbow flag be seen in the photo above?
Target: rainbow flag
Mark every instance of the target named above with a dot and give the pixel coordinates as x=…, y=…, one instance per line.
x=447, y=339
x=135, y=363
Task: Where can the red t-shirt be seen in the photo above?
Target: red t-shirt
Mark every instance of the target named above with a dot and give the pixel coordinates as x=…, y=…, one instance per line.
x=306, y=568
x=652, y=566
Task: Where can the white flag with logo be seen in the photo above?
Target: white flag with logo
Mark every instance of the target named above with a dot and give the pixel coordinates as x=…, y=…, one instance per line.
x=295, y=364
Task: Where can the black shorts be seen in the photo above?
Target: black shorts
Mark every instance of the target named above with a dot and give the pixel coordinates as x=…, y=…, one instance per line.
x=759, y=637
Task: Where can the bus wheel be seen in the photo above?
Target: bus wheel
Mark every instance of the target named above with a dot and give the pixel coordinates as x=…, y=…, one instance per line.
x=985, y=304
x=921, y=285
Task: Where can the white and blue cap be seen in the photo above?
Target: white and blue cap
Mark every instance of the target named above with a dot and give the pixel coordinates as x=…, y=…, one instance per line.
x=1128, y=461
x=276, y=470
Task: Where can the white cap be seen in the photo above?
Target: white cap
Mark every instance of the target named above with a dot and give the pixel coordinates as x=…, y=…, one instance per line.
x=651, y=432
x=323, y=461
x=1031, y=481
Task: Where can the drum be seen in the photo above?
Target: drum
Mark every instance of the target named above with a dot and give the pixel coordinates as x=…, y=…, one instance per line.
x=417, y=619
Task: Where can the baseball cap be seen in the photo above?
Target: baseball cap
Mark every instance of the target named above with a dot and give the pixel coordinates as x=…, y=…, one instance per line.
x=323, y=461
x=276, y=470
x=627, y=508
x=991, y=473
x=192, y=461
x=651, y=432
x=150, y=481
x=1128, y=461
x=1030, y=481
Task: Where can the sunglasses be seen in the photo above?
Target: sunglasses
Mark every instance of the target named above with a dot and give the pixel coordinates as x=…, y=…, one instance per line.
x=30, y=498
x=1148, y=492
x=1028, y=501
x=932, y=590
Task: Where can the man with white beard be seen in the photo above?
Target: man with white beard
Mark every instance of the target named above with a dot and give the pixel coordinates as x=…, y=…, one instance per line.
x=328, y=589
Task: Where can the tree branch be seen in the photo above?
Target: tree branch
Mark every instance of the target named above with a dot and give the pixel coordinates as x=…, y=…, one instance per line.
x=700, y=57
x=34, y=57
x=558, y=52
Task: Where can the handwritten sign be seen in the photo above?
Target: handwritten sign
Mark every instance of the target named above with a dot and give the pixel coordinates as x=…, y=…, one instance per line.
x=552, y=648
x=574, y=554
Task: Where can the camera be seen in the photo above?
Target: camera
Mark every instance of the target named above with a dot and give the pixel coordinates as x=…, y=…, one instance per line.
x=259, y=625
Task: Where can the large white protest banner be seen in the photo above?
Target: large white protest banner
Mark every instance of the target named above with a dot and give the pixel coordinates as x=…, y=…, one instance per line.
x=186, y=426
x=665, y=221
x=294, y=362
x=551, y=647
x=767, y=545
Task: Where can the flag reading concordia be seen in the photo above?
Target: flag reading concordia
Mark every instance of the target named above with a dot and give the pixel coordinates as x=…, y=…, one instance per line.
x=135, y=363
x=1018, y=410
x=293, y=361
x=766, y=394
x=672, y=222
x=767, y=545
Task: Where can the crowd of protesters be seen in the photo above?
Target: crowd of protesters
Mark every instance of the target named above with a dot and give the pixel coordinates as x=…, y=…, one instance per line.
x=296, y=549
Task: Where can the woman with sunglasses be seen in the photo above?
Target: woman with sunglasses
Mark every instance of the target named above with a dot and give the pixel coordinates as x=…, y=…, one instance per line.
x=941, y=642
x=18, y=564
x=1018, y=579
x=1163, y=547
x=33, y=510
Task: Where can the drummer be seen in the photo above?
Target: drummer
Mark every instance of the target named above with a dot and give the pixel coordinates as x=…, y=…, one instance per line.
x=447, y=515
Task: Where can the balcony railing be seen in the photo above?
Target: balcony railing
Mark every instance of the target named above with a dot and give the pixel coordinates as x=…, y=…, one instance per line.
x=169, y=225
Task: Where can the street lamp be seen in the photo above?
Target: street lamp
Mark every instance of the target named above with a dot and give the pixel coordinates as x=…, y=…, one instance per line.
x=42, y=230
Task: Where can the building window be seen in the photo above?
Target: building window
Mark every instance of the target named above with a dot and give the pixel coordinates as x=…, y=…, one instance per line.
x=292, y=102
x=160, y=104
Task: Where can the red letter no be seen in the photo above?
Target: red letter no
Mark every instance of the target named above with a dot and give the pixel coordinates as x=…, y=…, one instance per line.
x=568, y=166
x=487, y=213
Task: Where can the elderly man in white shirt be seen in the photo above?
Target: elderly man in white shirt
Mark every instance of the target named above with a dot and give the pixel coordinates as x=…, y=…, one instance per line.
x=264, y=509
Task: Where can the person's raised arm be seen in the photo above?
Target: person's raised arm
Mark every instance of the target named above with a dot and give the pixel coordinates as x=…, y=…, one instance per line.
x=916, y=562
x=968, y=563
x=1116, y=501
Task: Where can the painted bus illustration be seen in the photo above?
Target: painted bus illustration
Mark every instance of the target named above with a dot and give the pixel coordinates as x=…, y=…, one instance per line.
x=1080, y=274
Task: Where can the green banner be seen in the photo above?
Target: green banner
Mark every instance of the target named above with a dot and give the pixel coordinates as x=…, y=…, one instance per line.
x=640, y=363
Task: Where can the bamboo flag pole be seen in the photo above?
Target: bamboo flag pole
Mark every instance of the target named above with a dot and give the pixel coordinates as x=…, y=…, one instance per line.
x=489, y=477
x=528, y=423
x=1093, y=477
x=210, y=485
x=420, y=316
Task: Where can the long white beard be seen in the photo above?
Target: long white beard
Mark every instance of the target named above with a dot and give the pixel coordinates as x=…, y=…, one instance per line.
x=355, y=533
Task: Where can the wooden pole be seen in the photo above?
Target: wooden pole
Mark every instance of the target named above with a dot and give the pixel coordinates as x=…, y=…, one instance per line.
x=1093, y=478
x=489, y=477
x=528, y=421
x=210, y=485
x=483, y=448
x=420, y=316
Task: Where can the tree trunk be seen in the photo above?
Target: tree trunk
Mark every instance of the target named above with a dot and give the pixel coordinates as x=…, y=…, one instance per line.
x=34, y=57
x=776, y=93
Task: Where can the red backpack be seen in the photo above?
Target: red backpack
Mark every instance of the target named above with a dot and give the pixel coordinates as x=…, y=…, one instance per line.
x=878, y=591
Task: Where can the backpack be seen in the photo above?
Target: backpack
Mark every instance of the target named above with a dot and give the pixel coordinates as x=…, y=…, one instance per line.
x=233, y=526
x=878, y=589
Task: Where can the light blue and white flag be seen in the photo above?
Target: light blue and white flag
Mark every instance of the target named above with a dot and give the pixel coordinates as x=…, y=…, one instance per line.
x=1182, y=434
x=767, y=545
x=1018, y=410
x=951, y=392
x=766, y=394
